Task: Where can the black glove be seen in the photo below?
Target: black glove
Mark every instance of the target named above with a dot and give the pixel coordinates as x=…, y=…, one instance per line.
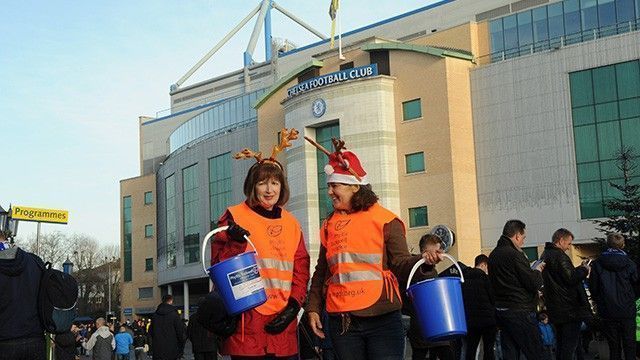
x=284, y=318
x=236, y=232
x=213, y=316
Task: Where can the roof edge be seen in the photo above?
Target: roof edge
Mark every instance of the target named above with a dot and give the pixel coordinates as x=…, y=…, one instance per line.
x=430, y=50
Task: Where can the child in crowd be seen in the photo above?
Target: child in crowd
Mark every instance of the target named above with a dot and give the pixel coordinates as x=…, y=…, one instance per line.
x=548, y=337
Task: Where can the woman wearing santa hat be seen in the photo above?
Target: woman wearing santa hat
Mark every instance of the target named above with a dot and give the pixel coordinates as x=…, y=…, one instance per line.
x=270, y=330
x=363, y=251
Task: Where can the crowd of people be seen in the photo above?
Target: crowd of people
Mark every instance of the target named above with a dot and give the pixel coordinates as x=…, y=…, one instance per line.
x=353, y=304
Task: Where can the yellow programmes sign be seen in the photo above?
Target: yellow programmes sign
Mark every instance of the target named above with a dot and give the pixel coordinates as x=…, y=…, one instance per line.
x=39, y=215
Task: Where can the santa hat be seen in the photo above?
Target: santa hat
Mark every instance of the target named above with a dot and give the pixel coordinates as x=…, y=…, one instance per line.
x=344, y=166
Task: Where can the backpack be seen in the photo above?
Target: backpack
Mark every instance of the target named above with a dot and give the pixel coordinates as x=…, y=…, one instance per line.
x=57, y=300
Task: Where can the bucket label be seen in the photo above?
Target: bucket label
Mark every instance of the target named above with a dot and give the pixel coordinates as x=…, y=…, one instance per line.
x=245, y=282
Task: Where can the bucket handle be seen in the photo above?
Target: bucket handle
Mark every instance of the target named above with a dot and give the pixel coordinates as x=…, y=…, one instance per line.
x=421, y=261
x=209, y=235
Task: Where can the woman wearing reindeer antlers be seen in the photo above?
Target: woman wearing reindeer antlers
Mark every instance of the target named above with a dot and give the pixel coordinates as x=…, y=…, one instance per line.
x=363, y=249
x=268, y=331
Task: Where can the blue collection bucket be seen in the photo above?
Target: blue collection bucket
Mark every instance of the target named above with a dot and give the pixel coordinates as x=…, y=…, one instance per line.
x=438, y=305
x=237, y=279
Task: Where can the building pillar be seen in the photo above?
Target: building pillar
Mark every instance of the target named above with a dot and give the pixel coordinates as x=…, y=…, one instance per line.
x=185, y=311
x=169, y=289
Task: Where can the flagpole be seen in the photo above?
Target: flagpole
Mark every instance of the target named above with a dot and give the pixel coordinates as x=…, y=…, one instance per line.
x=340, y=36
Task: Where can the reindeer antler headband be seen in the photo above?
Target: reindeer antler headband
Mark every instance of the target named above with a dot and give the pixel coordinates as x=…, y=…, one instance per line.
x=286, y=135
x=338, y=145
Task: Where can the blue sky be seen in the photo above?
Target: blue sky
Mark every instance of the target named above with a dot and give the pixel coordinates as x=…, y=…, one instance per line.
x=75, y=76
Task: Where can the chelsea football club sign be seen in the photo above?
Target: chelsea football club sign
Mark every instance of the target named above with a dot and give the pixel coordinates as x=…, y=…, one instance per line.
x=333, y=78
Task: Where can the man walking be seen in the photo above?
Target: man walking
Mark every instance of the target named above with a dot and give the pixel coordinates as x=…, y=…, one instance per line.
x=612, y=281
x=21, y=333
x=479, y=308
x=167, y=331
x=515, y=287
x=564, y=294
x=101, y=343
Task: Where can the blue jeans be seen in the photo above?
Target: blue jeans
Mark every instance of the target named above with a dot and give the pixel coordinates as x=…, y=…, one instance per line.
x=371, y=338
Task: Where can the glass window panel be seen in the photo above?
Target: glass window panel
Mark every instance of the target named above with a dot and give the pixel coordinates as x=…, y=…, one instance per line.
x=219, y=185
x=148, y=230
x=583, y=115
x=571, y=16
x=589, y=14
x=418, y=216
x=497, y=40
x=148, y=264
x=414, y=162
x=604, y=84
x=411, y=109
x=629, y=108
x=588, y=172
x=525, y=29
x=606, y=13
x=609, y=170
x=510, y=25
x=630, y=130
x=628, y=79
x=608, y=140
x=607, y=111
x=591, y=200
x=584, y=139
x=581, y=88
x=148, y=197
x=145, y=293
x=556, y=20
x=540, y=30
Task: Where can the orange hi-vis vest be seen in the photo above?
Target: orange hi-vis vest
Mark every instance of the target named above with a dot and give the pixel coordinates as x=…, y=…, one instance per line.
x=276, y=242
x=355, y=248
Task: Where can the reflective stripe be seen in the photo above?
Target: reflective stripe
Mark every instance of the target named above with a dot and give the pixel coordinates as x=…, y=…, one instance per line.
x=275, y=264
x=271, y=283
x=345, y=257
x=352, y=276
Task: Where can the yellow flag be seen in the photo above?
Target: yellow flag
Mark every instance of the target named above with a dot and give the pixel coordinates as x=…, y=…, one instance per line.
x=333, y=10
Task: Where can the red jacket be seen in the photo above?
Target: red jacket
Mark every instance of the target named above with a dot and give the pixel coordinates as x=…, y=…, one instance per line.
x=256, y=341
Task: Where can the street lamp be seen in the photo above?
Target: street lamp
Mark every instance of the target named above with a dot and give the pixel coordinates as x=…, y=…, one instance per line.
x=106, y=259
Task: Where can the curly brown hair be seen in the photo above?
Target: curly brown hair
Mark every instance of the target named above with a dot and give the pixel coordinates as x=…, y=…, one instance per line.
x=364, y=198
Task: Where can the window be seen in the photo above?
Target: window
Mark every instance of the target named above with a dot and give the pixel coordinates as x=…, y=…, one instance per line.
x=540, y=30
x=525, y=31
x=220, y=190
x=418, y=216
x=148, y=230
x=145, y=293
x=604, y=119
x=382, y=59
x=126, y=239
x=346, y=66
x=148, y=197
x=414, y=162
x=171, y=220
x=190, y=205
x=497, y=39
x=411, y=110
x=323, y=137
x=148, y=264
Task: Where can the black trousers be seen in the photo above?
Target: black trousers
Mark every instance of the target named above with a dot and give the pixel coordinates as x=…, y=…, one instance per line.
x=621, y=338
x=519, y=334
x=23, y=349
x=568, y=336
x=488, y=335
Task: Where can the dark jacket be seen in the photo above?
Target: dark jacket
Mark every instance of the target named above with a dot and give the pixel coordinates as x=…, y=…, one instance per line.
x=515, y=285
x=564, y=294
x=479, y=304
x=20, y=274
x=167, y=333
x=202, y=340
x=612, y=280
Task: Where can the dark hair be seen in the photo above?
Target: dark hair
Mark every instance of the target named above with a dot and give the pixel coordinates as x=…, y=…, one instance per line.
x=167, y=298
x=513, y=227
x=364, y=198
x=429, y=239
x=481, y=259
x=560, y=234
x=263, y=171
x=615, y=240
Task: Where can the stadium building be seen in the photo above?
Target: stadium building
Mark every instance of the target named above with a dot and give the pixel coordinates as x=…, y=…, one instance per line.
x=464, y=113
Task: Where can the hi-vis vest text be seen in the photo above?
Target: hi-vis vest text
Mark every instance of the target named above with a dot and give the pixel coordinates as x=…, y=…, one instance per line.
x=276, y=241
x=355, y=245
